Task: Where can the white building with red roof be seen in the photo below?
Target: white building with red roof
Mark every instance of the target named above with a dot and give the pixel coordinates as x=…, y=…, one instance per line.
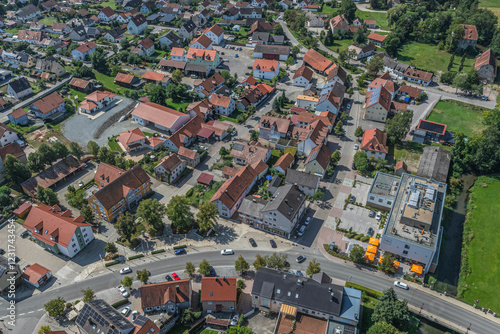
x=170, y=168
x=215, y=33
x=163, y=118
x=147, y=47
x=224, y=105
x=96, y=101
x=135, y=139
x=202, y=42
x=48, y=106
x=266, y=69
x=107, y=14
x=469, y=38
x=486, y=66
x=36, y=275
x=374, y=143
x=84, y=51
x=377, y=39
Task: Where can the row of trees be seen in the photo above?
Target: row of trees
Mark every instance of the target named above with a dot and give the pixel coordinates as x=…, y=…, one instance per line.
x=182, y=218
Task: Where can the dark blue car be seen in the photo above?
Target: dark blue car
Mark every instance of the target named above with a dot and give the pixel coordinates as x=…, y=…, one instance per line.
x=179, y=251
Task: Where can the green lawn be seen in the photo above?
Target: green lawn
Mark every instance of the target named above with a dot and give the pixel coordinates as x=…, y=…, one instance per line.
x=177, y=106
x=233, y=116
x=327, y=9
x=483, y=250
x=113, y=145
x=458, y=116
x=430, y=58
x=341, y=44
x=110, y=3
x=80, y=95
x=209, y=331
x=48, y=20
x=493, y=5
x=22, y=129
x=410, y=153
x=108, y=82
x=381, y=18
x=179, y=329
x=200, y=193
x=11, y=30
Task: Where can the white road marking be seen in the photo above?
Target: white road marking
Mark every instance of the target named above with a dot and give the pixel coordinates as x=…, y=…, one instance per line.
x=22, y=314
x=40, y=309
x=30, y=312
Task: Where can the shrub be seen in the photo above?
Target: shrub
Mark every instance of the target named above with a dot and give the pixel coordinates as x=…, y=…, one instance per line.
x=179, y=247
x=158, y=251
x=350, y=235
x=365, y=238
x=368, y=291
x=138, y=256
x=134, y=242
x=189, y=192
x=112, y=263
x=68, y=305
x=120, y=303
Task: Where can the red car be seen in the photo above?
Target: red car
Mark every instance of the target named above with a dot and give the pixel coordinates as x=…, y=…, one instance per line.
x=174, y=275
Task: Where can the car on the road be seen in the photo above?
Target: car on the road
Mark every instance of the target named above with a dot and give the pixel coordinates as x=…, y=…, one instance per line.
x=175, y=276
x=80, y=184
x=234, y=321
x=273, y=243
x=25, y=234
x=356, y=146
x=301, y=230
x=235, y=55
x=353, y=167
x=179, y=251
x=348, y=106
x=169, y=278
x=203, y=147
x=226, y=252
x=222, y=53
x=371, y=214
x=252, y=242
x=401, y=285
x=300, y=259
x=126, y=311
x=299, y=273
x=378, y=216
x=121, y=288
x=352, y=199
x=308, y=221
x=250, y=67
x=125, y=270
x=134, y=314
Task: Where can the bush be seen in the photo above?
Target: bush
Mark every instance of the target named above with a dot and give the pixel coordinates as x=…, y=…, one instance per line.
x=179, y=247
x=120, y=303
x=68, y=305
x=189, y=192
x=138, y=256
x=368, y=291
x=365, y=238
x=158, y=251
x=112, y=263
x=134, y=242
x=350, y=235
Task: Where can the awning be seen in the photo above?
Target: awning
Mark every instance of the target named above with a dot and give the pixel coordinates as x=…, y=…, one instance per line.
x=396, y=264
x=417, y=269
x=370, y=256
x=374, y=242
x=380, y=259
x=206, y=133
x=371, y=249
x=287, y=309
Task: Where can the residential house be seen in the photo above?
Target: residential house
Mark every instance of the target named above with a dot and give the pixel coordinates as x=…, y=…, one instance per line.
x=49, y=5
x=147, y=47
x=400, y=168
x=115, y=35
x=249, y=153
x=469, y=38
x=215, y=33
x=271, y=52
x=147, y=7
x=364, y=51
x=19, y=117
x=178, y=54
x=217, y=129
x=307, y=183
x=385, y=81
x=105, y=174
x=78, y=33
x=254, y=96
x=230, y=195
x=251, y=13
x=19, y=88
x=286, y=4
x=418, y=76
x=486, y=66
x=339, y=24
x=313, y=20
x=32, y=37
x=429, y=131
x=97, y=316
x=231, y=14
x=274, y=127
x=374, y=143
x=126, y=80
x=377, y=104
x=376, y=39
x=124, y=18
x=170, y=168
x=218, y=294
x=203, y=57
x=188, y=30
x=96, y=101
x=284, y=163
x=332, y=99
x=48, y=106
x=335, y=74
x=409, y=93
x=28, y=13
x=249, y=82
x=170, y=39
x=163, y=118
x=120, y=195
x=84, y=51
x=57, y=231
x=80, y=85
x=202, y=42
x=191, y=156
x=36, y=275
x=10, y=274
x=135, y=139
x=201, y=108
x=49, y=65
x=395, y=67
x=25, y=59
x=58, y=28
x=318, y=160
x=168, y=297
x=107, y=14
x=131, y=4
x=7, y=135
x=186, y=135
x=137, y=24
x=305, y=101
x=241, y=4
x=265, y=69
x=317, y=61
x=4, y=74
x=224, y=105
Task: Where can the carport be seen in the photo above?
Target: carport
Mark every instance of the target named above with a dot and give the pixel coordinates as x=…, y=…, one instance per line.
x=205, y=134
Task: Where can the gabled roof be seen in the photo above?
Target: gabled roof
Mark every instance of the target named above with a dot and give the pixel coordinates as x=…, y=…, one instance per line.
x=217, y=30
x=470, y=32
x=305, y=72
x=265, y=65
x=206, y=55
x=316, y=60
x=188, y=130
x=153, y=76
x=85, y=47
x=379, y=95
x=338, y=22
x=271, y=49
x=287, y=200
x=13, y=149
x=234, y=188
x=336, y=71
x=280, y=123
x=376, y=37
x=401, y=164
x=79, y=83
x=34, y=272
x=30, y=35
x=374, y=140
x=302, y=179
x=418, y=74
x=146, y=43
x=220, y=100
x=204, y=40
x=433, y=127
x=186, y=152
x=107, y=173
x=18, y=113
x=486, y=58
x=284, y=161
x=250, y=80
x=211, y=83
x=386, y=82
x=413, y=92
x=219, y=289
x=157, y=114
x=98, y=95
x=27, y=10
x=107, y=11
x=189, y=26
x=138, y=20
x=49, y=103
x=158, y=294
x=170, y=162
x=320, y=154
x=124, y=78
x=19, y=85
x=130, y=136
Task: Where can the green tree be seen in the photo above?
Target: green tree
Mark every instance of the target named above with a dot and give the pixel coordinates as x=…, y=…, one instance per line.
x=241, y=265
x=44, y=329
x=338, y=129
x=152, y=212
x=207, y=216
x=87, y=214
x=313, y=268
x=387, y=264
x=76, y=150
x=276, y=260
x=46, y=196
x=127, y=281
x=125, y=225
x=93, y=148
x=361, y=162
x=188, y=316
x=190, y=268
x=399, y=126
x=350, y=91
x=55, y=307
x=289, y=61
x=15, y=172
x=329, y=40
x=142, y=276
x=357, y=254
x=383, y=328
x=204, y=268
x=495, y=42
x=260, y=261
x=254, y=135
x=177, y=76
x=88, y=295
x=278, y=30
x=239, y=330
x=156, y=94
x=35, y=163
x=335, y=158
x=359, y=36
x=392, y=44
x=110, y=247
x=98, y=59
x=318, y=195
x=179, y=213
x=348, y=8
x=392, y=311
x=375, y=65
x=47, y=154
x=60, y=150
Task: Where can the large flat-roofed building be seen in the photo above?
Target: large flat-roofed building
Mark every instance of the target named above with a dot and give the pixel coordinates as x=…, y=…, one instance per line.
x=382, y=191
x=413, y=228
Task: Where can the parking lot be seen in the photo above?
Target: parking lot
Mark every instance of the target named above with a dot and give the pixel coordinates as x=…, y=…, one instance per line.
x=238, y=64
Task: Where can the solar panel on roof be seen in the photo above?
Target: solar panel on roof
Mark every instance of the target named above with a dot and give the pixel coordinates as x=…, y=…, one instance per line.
x=140, y=320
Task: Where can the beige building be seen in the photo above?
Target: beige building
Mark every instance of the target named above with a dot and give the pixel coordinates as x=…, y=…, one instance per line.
x=218, y=294
x=170, y=168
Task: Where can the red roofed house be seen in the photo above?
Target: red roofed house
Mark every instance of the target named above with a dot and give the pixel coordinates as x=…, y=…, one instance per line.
x=36, y=275
x=170, y=168
x=126, y=80
x=248, y=82
x=48, y=106
x=80, y=85
x=486, y=66
x=377, y=104
x=106, y=173
x=186, y=135
x=203, y=57
x=230, y=195
x=400, y=168
x=166, y=296
x=22, y=210
x=96, y=101
x=224, y=105
x=147, y=47
x=266, y=69
x=283, y=163
x=57, y=231
x=469, y=38
x=418, y=76
x=376, y=39
x=302, y=76
x=153, y=77
x=209, y=85
x=218, y=294
x=202, y=42
x=205, y=179
x=215, y=33
x=274, y=127
x=317, y=61
x=107, y=14
x=135, y=139
x=429, y=131
x=191, y=156
x=318, y=160
x=163, y=118
x=84, y=51
x=18, y=116
x=374, y=143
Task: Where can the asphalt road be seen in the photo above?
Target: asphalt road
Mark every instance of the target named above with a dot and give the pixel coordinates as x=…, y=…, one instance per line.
x=33, y=307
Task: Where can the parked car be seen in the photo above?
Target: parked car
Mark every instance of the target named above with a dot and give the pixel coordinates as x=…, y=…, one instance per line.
x=308, y=220
x=25, y=234
x=169, y=278
x=179, y=251
x=252, y=242
x=203, y=147
x=273, y=243
x=2, y=252
x=300, y=259
x=378, y=216
x=371, y=214
x=134, y=314
x=234, y=321
x=175, y=276
x=301, y=230
x=352, y=199
x=234, y=133
x=401, y=285
x=125, y=270
x=299, y=273
x=212, y=272
x=250, y=67
x=226, y=252
x=370, y=231
x=121, y=288
x=126, y=311
x=125, y=294
x=235, y=55
x=356, y=146
x=80, y=184
x=222, y=53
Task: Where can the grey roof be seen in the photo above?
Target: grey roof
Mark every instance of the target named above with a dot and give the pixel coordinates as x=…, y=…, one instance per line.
x=27, y=10
x=171, y=36
x=395, y=65
x=116, y=32
x=19, y=85
x=196, y=67
x=189, y=26
x=253, y=206
x=92, y=32
x=106, y=319
x=351, y=304
x=278, y=39
x=302, y=179
x=298, y=291
x=152, y=17
x=224, y=90
x=274, y=184
x=272, y=49
x=132, y=3
x=80, y=30
x=287, y=200
x=248, y=11
x=434, y=163
x=260, y=36
x=138, y=20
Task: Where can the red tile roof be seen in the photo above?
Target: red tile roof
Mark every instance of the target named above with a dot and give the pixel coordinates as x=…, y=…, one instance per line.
x=250, y=80
x=486, y=58
x=18, y=113
x=470, y=32
x=413, y=92
x=106, y=174
x=157, y=114
x=124, y=78
x=170, y=162
x=220, y=100
x=146, y=43
x=418, y=74
x=153, y=76
x=219, y=289
x=284, y=161
x=204, y=40
x=85, y=47
x=158, y=294
x=13, y=149
x=376, y=37
x=49, y=103
x=188, y=130
x=234, y=188
x=205, y=178
x=338, y=22
x=79, y=83
x=265, y=65
x=280, y=123
x=186, y=152
x=34, y=272
x=401, y=164
x=316, y=60
x=23, y=207
x=305, y=72
x=321, y=154
x=374, y=140
x=108, y=11
x=130, y=136
x=215, y=29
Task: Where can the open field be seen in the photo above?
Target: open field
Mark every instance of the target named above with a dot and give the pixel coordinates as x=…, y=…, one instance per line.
x=381, y=18
x=483, y=262
x=460, y=117
x=410, y=152
x=493, y=5
x=48, y=20
x=429, y=57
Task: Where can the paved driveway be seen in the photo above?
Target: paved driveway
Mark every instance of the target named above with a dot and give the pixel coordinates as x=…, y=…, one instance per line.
x=357, y=218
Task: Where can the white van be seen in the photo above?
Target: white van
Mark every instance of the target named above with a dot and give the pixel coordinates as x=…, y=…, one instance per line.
x=301, y=230
x=401, y=285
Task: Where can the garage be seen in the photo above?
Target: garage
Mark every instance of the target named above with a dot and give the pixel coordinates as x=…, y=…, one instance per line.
x=271, y=56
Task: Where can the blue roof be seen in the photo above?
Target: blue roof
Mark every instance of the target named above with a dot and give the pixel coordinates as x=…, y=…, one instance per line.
x=351, y=304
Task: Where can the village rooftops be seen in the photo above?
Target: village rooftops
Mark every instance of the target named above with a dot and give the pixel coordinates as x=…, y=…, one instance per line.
x=470, y=32
x=219, y=289
x=265, y=65
x=374, y=140
x=158, y=294
x=49, y=103
x=317, y=61
x=385, y=185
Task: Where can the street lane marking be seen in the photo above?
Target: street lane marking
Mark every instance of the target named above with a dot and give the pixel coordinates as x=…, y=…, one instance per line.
x=40, y=309
x=30, y=312
x=22, y=314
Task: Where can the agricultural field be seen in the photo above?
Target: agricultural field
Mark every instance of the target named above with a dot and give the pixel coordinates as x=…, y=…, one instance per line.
x=493, y=5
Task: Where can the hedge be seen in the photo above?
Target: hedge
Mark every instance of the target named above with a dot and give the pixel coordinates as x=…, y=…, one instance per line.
x=120, y=303
x=112, y=263
x=179, y=247
x=369, y=292
x=158, y=251
x=138, y=256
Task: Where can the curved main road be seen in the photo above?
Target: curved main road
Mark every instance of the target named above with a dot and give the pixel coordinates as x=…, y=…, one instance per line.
x=32, y=307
